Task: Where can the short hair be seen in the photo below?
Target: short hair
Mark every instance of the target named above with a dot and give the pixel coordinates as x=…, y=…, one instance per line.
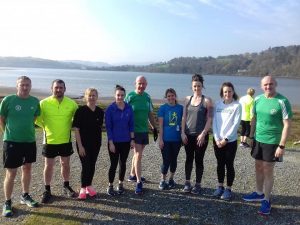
x=251, y=91
x=120, y=88
x=228, y=84
x=89, y=90
x=59, y=81
x=23, y=78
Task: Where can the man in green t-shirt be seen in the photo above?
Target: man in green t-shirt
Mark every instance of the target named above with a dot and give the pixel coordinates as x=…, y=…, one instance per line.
x=17, y=116
x=143, y=112
x=56, y=117
x=270, y=126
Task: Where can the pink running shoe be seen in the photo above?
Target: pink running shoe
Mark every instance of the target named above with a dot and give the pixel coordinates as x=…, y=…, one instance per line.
x=91, y=191
x=82, y=194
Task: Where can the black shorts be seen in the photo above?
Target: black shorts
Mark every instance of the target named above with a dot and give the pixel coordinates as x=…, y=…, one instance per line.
x=245, y=128
x=53, y=150
x=141, y=138
x=15, y=154
x=265, y=152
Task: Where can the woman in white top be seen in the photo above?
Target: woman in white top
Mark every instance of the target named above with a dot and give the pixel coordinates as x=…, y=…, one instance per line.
x=227, y=117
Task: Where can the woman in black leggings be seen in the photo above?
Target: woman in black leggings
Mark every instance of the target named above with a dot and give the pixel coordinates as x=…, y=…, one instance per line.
x=196, y=122
x=227, y=117
x=119, y=126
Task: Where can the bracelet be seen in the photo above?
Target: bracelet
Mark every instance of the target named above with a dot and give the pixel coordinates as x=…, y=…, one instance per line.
x=132, y=139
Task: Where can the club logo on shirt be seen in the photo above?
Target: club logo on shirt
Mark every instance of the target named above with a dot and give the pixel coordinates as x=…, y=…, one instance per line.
x=172, y=118
x=18, y=108
x=273, y=111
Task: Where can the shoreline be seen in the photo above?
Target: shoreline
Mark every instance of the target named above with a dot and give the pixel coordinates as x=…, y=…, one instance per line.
x=105, y=100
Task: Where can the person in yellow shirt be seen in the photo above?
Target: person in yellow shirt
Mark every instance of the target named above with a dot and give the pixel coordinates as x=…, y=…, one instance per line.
x=56, y=117
x=247, y=114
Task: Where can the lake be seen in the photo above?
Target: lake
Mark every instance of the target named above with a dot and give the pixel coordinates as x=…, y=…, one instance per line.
x=78, y=80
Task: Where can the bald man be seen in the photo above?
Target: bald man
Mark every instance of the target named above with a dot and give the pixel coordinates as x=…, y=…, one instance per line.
x=143, y=113
x=270, y=127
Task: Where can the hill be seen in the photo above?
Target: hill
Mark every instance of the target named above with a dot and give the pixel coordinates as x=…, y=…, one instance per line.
x=280, y=61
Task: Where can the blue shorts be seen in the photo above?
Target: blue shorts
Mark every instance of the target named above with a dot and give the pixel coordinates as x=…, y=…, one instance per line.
x=15, y=154
x=141, y=138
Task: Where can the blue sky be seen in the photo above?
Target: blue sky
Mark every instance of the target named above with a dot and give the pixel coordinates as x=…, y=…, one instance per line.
x=144, y=31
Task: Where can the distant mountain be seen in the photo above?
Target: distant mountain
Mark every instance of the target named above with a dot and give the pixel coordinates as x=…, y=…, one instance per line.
x=280, y=61
x=31, y=62
x=88, y=63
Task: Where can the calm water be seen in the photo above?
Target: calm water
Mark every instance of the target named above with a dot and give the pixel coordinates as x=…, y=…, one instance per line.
x=78, y=80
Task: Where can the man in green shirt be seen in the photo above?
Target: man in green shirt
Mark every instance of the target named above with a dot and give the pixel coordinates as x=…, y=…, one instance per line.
x=143, y=112
x=17, y=116
x=56, y=117
x=270, y=127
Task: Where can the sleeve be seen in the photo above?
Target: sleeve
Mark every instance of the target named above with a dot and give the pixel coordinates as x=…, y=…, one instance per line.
x=286, y=109
x=40, y=119
x=76, y=119
x=4, y=108
x=161, y=111
x=38, y=109
x=231, y=133
x=108, y=123
x=215, y=127
x=131, y=120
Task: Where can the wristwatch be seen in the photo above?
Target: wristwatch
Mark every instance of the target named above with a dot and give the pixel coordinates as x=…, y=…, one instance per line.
x=281, y=146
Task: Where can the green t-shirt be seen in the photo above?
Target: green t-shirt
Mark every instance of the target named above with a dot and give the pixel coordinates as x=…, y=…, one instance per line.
x=142, y=106
x=56, y=119
x=19, y=114
x=270, y=113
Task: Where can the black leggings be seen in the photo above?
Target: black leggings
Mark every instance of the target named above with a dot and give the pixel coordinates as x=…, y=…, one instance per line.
x=88, y=163
x=192, y=151
x=120, y=156
x=225, y=158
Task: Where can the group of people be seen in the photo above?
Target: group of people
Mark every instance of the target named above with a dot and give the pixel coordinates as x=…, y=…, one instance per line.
x=127, y=121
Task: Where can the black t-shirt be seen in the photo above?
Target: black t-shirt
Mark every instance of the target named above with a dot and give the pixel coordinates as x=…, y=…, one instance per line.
x=90, y=125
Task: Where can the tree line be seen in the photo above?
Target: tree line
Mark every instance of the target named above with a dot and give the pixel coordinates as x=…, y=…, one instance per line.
x=280, y=61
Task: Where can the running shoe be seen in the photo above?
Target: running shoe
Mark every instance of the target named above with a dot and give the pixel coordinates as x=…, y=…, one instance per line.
x=218, y=192
x=68, y=191
x=265, y=208
x=46, y=197
x=120, y=189
x=163, y=185
x=110, y=191
x=133, y=178
x=242, y=144
x=139, y=188
x=82, y=194
x=187, y=187
x=227, y=194
x=7, y=209
x=253, y=197
x=27, y=200
x=172, y=184
x=196, y=190
x=246, y=145
x=91, y=191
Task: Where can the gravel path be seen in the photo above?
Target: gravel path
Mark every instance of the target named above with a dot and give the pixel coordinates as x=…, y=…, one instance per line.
x=165, y=207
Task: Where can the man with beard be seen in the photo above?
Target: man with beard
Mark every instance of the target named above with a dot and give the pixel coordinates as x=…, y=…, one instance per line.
x=57, y=112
